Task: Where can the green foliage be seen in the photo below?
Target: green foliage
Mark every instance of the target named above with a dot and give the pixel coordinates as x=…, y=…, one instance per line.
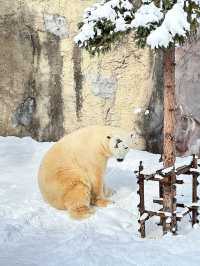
x=191, y=9
x=104, y=43
x=108, y=37
x=141, y=34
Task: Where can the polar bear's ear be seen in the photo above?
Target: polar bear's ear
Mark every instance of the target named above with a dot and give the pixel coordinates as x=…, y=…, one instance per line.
x=131, y=138
x=132, y=135
x=108, y=137
x=135, y=136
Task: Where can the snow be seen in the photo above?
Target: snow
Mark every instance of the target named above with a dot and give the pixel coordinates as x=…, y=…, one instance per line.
x=146, y=15
x=100, y=12
x=184, y=210
x=164, y=24
x=195, y=204
x=168, y=220
x=86, y=33
x=34, y=234
x=195, y=170
x=158, y=176
x=120, y=24
x=175, y=23
x=157, y=166
x=138, y=110
x=144, y=216
x=159, y=37
x=126, y=4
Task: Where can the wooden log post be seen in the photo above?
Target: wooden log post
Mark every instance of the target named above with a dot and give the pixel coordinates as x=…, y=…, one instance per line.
x=161, y=189
x=169, y=203
x=141, y=205
x=161, y=197
x=195, y=198
x=169, y=133
x=174, y=204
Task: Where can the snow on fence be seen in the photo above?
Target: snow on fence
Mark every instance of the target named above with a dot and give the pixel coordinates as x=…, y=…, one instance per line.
x=167, y=178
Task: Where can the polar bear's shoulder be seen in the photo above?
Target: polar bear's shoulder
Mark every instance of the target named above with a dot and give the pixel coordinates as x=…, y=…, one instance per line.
x=97, y=130
x=89, y=135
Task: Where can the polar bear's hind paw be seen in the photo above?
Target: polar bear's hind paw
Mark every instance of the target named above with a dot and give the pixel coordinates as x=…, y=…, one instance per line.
x=102, y=202
x=81, y=213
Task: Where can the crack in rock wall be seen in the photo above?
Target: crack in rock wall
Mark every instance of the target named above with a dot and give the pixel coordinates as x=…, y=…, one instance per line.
x=151, y=123
x=78, y=80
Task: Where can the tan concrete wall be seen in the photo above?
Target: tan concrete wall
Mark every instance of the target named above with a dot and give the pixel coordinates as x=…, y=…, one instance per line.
x=49, y=87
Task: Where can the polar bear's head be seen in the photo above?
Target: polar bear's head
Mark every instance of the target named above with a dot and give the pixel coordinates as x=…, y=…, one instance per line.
x=119, y=147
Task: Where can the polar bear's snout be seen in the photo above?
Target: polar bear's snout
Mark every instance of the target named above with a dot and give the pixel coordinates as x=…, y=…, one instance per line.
x=120, y=160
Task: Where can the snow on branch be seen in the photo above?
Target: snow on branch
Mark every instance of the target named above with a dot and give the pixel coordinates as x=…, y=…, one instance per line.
x=146, y=15
x=174, y=23
x=102, y=22
x=158, y=24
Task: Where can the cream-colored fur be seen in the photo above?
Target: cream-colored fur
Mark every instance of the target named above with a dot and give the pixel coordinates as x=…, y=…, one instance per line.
x=71, y=173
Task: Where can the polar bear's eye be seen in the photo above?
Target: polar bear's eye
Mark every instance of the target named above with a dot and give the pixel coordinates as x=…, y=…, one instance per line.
x=125, y=148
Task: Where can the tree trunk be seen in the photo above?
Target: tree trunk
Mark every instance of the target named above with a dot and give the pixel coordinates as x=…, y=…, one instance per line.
x=169, y=107
x=169, y=189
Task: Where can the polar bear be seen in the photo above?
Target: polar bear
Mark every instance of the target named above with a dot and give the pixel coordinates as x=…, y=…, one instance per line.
x=71, y=173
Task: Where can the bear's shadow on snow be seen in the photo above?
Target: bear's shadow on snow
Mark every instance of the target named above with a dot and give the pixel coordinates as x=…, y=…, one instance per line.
x=116, y=178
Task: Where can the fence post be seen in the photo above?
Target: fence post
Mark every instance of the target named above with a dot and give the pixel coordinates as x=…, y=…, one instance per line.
x=195, y=198
x=141, y=205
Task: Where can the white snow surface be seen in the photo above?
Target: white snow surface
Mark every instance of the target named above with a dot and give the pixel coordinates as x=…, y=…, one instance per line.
x=146, y=15
x=175, y=23
x=34, y=234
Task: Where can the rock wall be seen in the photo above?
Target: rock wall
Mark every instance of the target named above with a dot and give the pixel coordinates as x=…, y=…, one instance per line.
x=31, y=100
x=49, y=87
x=188, y=98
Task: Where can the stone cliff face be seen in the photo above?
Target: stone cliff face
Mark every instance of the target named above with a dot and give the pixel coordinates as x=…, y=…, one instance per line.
x=31, y=77
x=188, y=98
x=49, y=87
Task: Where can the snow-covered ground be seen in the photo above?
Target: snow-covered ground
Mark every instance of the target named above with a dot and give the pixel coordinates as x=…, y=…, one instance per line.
x=34, y=234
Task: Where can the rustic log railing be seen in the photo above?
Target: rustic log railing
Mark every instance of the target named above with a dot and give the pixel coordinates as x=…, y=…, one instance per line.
x=167, y=179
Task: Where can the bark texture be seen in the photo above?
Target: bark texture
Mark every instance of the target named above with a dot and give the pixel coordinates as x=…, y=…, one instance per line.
x=169, y=107
x=169, y=189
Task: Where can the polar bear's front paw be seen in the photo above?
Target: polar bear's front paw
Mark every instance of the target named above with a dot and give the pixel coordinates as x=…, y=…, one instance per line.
x=108, y=192
x=102, y=202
